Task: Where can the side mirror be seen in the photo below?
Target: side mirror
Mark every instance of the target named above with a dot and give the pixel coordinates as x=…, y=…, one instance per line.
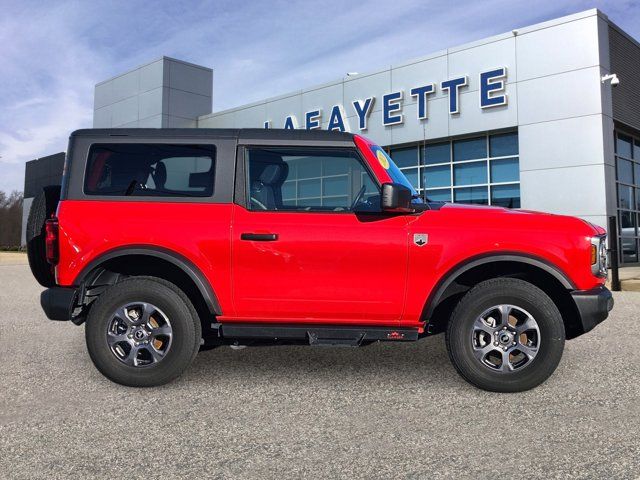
x=396, y=198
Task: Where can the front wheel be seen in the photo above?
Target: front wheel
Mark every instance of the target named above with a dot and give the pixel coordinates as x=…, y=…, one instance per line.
x=505, y=335
x=142, y=332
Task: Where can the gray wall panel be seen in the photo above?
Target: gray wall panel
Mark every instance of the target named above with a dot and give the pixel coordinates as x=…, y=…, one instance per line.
x=26, y=206
x=576, y=191
x=190, y=78
x=364, y=86
x=567, y=46
x=472, y=61
x=549, y=145
x=474, y=119
x=406, y=77
x=142, y=96
x=152, y=76
x=564, y=95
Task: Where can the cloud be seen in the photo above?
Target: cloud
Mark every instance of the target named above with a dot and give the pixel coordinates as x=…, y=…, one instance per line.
x=52, y=54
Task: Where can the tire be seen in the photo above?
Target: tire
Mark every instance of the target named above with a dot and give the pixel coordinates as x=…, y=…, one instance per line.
x=43, y=207
x=487, y=355
x=168, y=301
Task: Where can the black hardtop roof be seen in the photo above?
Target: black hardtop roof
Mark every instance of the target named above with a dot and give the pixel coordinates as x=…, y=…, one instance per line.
x=238, y=133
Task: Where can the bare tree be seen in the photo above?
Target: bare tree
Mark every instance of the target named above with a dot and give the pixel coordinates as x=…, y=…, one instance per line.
x=10, y=219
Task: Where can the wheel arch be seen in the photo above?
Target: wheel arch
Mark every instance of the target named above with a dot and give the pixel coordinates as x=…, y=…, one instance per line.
x=106, y=268
x=463, y=276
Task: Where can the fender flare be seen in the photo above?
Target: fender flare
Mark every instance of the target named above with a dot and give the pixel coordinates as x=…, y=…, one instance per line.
x=448, y=278
x=183, y=263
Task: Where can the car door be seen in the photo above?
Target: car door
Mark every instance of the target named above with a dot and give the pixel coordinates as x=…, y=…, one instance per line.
x=309, y=242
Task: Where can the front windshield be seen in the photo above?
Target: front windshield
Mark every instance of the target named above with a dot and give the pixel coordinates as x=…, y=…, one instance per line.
x=394, y=172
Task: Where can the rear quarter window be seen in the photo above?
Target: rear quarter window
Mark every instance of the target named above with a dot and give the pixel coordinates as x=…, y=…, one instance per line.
x=150, y=170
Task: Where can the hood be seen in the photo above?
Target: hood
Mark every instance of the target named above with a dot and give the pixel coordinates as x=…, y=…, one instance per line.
x=484, y=216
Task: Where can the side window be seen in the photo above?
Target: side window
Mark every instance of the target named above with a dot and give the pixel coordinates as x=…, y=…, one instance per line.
x=151, y=170
x=309, y=179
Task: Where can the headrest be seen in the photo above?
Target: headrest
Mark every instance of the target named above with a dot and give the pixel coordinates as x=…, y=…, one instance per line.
x=274, y=173
x=160, y=175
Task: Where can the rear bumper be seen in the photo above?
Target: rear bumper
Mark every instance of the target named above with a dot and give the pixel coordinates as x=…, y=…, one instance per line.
x=593, y=305
x=58, y=303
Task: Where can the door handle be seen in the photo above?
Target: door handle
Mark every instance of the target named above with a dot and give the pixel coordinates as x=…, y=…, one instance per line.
x=259, y=237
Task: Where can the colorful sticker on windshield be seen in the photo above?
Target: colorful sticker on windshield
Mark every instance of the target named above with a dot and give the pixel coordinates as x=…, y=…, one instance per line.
x=382, y=158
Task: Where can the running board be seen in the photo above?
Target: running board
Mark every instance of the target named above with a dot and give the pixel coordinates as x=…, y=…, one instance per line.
x=317, y=335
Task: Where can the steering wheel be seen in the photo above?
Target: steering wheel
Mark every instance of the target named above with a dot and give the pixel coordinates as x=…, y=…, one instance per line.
x=255, y=201
x=358, y=197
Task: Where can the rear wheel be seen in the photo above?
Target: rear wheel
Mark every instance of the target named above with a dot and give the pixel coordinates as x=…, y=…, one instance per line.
x=505, y=335
x=43, y=207
x=142, y=332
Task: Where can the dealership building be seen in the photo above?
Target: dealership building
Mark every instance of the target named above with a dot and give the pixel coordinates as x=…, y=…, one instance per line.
x=545, y=117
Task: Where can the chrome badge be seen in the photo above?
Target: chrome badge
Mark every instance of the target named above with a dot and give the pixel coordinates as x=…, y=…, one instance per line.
x=420, y=239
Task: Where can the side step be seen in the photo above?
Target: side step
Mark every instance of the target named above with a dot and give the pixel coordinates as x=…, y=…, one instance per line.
x=318, y=335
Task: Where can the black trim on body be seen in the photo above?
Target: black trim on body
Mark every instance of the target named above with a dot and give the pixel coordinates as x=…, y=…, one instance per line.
x=448, y=278
x=58, y=302
x=226, y=142
x=594, y=306
x=259, y=237
x=319, y=334
x=242, y=134
x=186, y=265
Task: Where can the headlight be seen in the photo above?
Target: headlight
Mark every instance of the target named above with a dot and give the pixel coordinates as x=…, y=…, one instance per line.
x=599, y=256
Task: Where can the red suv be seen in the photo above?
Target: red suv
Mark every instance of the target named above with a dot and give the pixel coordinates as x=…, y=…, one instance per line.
x=168, y=241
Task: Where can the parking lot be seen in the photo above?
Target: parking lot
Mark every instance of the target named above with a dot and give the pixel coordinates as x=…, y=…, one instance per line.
x=384, y=411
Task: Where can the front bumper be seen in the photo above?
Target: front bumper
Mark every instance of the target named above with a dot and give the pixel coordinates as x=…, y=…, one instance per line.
x=593, y=305
x=58, y=303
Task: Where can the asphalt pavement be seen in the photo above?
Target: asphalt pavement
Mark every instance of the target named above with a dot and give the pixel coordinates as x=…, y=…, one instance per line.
x=383, y=411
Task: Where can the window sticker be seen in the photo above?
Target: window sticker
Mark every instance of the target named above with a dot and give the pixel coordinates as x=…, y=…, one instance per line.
x=382, y=158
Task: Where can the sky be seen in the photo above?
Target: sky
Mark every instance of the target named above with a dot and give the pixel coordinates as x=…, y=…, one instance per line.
x=52, y=53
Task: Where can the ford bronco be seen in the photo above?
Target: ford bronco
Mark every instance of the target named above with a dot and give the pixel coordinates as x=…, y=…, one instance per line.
x=168, y=241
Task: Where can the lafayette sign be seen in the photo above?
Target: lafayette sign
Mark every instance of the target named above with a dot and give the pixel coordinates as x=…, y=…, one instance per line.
x=491, y=93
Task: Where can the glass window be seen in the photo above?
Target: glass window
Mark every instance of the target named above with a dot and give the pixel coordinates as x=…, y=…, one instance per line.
x=627, y=224
x=503, y=145
x=470, y=165
x=476, y=195
x=307, y=167
x=289, y=190
x=505, y=196
x=436, y=176
x=405, y=157
x=470, y=173
x=625, y=197
x=335, y=185
x=625, y=171
x=629, y=249
x=505, y=170
x=437, y=153
x=628, y=196
x=292, y=179
x=441, y=195
x=342, y=202
x=470, y=149
x=623, y=146
x=334, y=166
x=150, y=170
x=412, y=175
x=393, y=171
x=309, y=188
